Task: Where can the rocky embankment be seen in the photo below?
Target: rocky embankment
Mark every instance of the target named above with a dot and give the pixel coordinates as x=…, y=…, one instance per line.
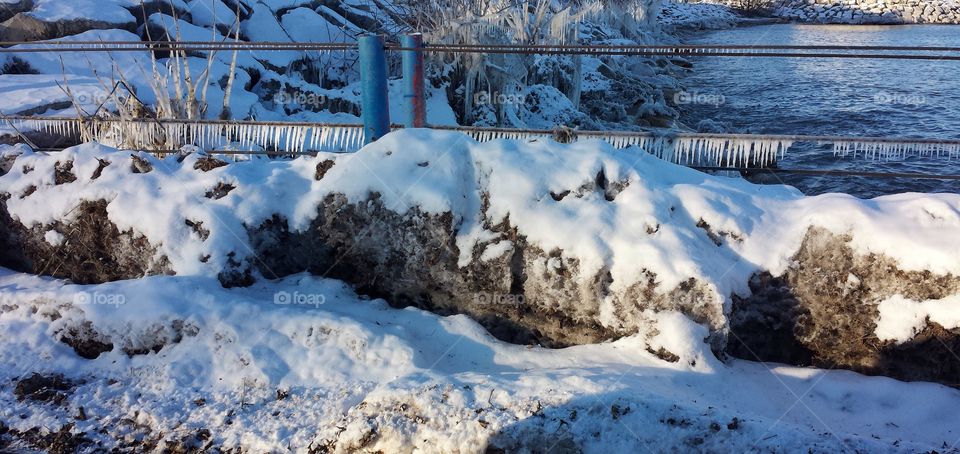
x=870, y=11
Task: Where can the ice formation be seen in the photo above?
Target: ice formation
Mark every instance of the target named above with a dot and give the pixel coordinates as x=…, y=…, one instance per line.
x=683, y=148
x=165, y=134
x=886, y=150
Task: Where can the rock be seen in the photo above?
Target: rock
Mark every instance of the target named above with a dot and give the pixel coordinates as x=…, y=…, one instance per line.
x=43, y=388
x=527, y=295
x=8, y=10
x=890, y=17
x=95, y=251
x=143, y=10
x=820, y=313
x=26, y=27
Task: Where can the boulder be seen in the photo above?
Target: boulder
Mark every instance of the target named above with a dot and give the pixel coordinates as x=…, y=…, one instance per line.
x=27, y=27
x=8, y=10
x=823, y=312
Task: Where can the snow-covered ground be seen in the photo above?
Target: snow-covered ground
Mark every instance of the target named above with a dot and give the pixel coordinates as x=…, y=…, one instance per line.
x=304, y=363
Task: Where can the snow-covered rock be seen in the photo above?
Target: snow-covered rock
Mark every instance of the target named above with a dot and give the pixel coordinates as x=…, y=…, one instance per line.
x=696, y=15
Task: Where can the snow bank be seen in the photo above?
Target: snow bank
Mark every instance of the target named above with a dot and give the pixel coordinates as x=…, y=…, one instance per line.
x=646, y=218
x=586, y=237
x=303, y=364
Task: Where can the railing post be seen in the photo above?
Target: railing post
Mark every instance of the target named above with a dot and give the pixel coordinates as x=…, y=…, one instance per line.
x=375, y=108
x=414, y=94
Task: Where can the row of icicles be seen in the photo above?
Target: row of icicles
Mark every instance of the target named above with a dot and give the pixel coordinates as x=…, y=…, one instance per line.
x=690, y=149
x=888, y=151
x=167, y=135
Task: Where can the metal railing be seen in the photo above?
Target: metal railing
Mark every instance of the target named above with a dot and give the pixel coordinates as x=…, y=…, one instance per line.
x=726, y=151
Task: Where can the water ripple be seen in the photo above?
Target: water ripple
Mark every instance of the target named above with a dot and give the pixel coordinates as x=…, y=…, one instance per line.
x=836, y=97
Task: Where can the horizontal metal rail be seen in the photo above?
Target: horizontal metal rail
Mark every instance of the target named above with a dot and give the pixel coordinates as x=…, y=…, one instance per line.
x=213, y=152
x=168, y=46
x=541, y=47
x=26, y=118
x=761, y=51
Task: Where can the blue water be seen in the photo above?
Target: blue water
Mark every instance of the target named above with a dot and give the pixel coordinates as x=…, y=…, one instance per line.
x=834, y=97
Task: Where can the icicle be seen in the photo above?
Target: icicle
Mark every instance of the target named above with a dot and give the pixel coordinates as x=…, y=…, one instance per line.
x=331, y=138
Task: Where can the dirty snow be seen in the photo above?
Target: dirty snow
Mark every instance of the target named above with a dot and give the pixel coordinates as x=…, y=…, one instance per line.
x=654, y=216
x=358, y=375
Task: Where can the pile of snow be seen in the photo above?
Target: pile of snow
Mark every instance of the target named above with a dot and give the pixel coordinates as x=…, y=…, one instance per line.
x=646, y=220
x=623, y=217
x=303, y=363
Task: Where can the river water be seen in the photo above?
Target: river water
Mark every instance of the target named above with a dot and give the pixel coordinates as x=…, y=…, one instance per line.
x=848, y=97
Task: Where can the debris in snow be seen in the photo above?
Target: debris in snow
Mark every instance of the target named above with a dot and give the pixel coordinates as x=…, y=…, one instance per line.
x=44, y=388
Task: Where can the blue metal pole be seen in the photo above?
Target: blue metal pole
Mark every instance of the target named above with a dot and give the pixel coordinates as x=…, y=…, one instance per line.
x=414, y=82
x=375, y=108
